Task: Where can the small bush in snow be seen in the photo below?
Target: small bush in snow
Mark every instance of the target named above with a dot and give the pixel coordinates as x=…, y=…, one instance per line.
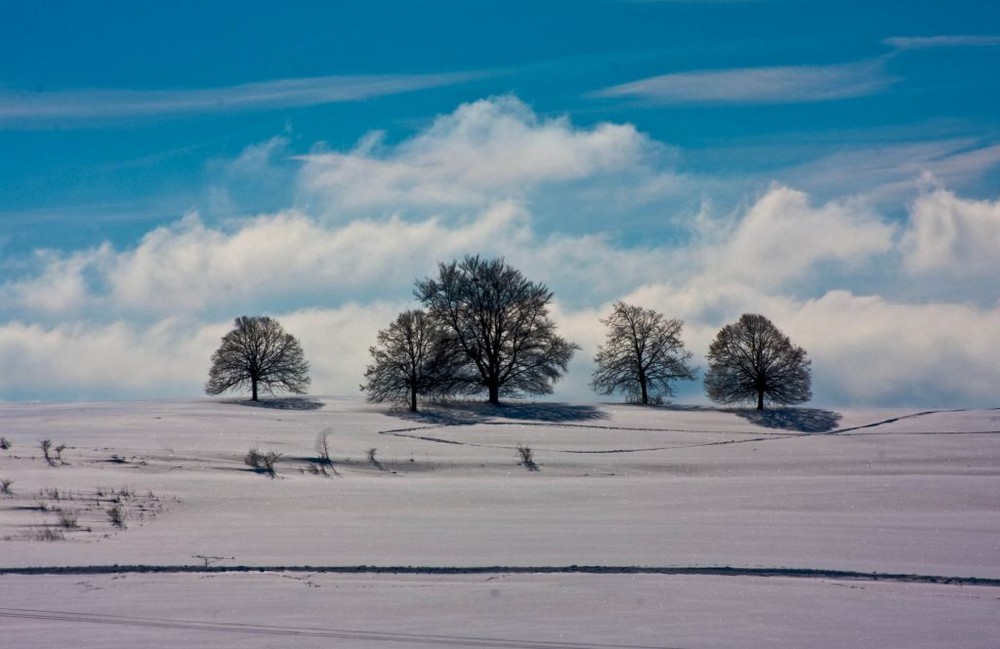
x=373, y=461
x=116, y=514
x=47, y=534
x=5, y=487
x=323, y=448
x=67, y=520
x=46, y=446
x=52, y=455
x=527, y=456
x=4, y=444
x=262, y=462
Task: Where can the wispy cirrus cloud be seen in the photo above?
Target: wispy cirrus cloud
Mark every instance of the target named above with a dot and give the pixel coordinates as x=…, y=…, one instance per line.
x=903, y=43
x=33, y=107
x=760, y=85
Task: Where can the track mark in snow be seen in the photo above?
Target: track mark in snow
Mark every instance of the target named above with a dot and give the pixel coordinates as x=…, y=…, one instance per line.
x=409, y=433
x=605, y=451
x=708, y=571
x=635, y=429
x=297, y=632
x=891, y=420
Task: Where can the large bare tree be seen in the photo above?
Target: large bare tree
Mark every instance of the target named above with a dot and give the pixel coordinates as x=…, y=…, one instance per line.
x=258, y=353
x=751, y=360
x=641, y=356
x=499, y=322
x=408, y=359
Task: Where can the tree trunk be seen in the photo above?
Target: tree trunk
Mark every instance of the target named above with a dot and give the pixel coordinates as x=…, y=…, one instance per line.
x=760, y=399
x=413, y=399
x=645, y=394
x=494, y=394
x=253, y=389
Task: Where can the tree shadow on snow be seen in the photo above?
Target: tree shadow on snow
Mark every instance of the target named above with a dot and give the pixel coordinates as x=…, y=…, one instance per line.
x=467, y=413
x=279, y=403
x=803, y=420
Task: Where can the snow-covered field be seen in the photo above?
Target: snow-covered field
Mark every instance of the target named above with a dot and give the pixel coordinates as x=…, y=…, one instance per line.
x=792, y=504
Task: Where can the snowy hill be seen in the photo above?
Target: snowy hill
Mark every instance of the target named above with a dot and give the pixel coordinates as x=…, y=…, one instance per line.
x=793, y=503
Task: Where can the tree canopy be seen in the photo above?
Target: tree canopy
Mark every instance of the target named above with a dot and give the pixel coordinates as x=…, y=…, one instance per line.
x=258, y=353
x=498, y=323
x=408, y=359
x=641, y=356
x=752, y=360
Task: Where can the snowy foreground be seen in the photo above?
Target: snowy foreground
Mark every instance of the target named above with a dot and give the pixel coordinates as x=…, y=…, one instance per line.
x=652, y=527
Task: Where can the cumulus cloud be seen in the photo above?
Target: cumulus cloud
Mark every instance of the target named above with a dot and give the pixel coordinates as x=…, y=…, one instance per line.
x=867, y=349
x=762, y=85
x=143, y=320
x=170, y=357
x=189, y=267
x=484, y=149
x=781, y=237
x=81, y=360
x=951, y=235
x=61, y=284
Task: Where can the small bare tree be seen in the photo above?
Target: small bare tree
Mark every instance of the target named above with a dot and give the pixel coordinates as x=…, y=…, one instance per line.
x=641, y=355
x=751, y=360
x=258, y=353
x=408, y=359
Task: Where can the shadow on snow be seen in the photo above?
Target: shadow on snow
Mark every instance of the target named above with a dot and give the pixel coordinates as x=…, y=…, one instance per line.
x=803, y=420
x=466, y=413
x=283, y=403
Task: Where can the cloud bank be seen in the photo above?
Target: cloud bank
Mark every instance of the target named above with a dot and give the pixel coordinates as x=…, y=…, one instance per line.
x=142, y=321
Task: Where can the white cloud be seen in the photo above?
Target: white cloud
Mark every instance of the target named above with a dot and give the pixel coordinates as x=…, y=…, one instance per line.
x=867, y=349
x=903, y=43
x=80, y=360
x=781, y=237
x=483, y=150
x=171, y=357
x=952, y=235
x=891, y=172
x=61, y=286
x=143, y=320
x=59, y=106
x=189, y=267
x=762, y=85
x=336, y=341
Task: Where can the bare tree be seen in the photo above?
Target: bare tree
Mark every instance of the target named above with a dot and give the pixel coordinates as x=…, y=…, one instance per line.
x=258, y=352
x=752, y=360
x=498, y=322
x=408, y=360
x=641, y=355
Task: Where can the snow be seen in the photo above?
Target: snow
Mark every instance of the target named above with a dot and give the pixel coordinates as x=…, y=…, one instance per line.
x=902, y=492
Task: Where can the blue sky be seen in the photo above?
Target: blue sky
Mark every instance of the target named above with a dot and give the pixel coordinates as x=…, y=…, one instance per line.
x=833, y=165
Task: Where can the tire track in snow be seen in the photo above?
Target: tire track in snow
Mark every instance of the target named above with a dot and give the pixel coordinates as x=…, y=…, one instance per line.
x=708, y=571
x=298, y=631
x=760, y=436
x=891, y=420
x=409, y=433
